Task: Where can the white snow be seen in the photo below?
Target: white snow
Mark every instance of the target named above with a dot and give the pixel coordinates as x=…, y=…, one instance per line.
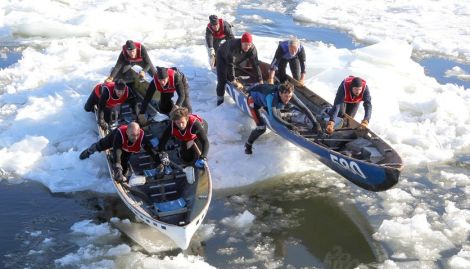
x=242, y=221
x=458, y=72
x=461, y=260
x=100, y=249
x=413, y=237
x=434, y=26
x=88, y=228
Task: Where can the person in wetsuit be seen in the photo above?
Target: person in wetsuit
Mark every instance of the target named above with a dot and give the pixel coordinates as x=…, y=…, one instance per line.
x=351, y=92
x=124, y=141
x=132, y=53
x=167, y=81
x=229, y=56
x=191, y=131
x=217, y=30
x=273, y=99
x=108, y=96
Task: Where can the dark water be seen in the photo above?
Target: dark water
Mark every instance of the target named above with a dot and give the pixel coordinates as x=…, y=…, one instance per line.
x=303, y=230
x=29, y=215
x=310, y=230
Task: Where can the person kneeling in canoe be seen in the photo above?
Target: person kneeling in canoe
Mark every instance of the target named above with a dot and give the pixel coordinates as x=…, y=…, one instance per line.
x=191, y=130
x=167, y=81
x=124, y=140
x=273, y=98
x=107, y=96
x=351, y=92
x=132, y=53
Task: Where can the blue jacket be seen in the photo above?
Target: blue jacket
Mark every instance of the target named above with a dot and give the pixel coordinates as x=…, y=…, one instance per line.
x=282, y=54
x=267, y=96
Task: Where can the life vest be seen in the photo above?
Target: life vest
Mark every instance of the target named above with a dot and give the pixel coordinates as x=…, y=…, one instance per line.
x=111, y=102
x=348, y=97
x=285, y=49
x=220, y=34
x=171, y=82
x=138, y=57
x=186, y=135
x=136, y=146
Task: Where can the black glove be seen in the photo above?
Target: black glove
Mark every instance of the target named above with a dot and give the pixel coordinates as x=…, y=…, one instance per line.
x=118, y=176
x=318, y=129
x=322, y=135
x=103, y=125
x=142, y=119
x=164, y=158
x=293, y=128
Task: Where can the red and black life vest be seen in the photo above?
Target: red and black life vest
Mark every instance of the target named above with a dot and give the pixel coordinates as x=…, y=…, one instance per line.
x=348, y=97
x=171, y=82
x=138, y=57
x=186, y=135
x=111, y=102
x=136, y=146
x=220, y=34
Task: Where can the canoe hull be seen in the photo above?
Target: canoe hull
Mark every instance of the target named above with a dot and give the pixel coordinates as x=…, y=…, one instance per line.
x=364, y=174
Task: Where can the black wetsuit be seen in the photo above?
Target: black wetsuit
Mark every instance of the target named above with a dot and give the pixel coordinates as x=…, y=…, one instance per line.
x=104, y=113
x=266, y=96
x=340, y=107
x=166, y=104
x=122, y=68
x=229, y=56
x=213, y=42
x=189, y=155
x=114, y=140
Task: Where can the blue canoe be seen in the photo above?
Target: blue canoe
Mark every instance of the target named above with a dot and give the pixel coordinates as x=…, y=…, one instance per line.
x=361, y=157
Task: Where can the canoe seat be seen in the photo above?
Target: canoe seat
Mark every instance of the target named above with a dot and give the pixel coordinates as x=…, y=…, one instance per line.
x=169, y=208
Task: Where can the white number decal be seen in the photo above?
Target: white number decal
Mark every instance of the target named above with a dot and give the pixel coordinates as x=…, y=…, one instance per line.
x=351, y=166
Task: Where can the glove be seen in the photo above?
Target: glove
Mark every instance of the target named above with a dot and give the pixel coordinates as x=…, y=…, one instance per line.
x=237, y=84
x=142, y=119
x=164, y=158
x=318, y=129
x=118, y=176
x=200, y=163
x=270, y=81
x=211, y=52
x=363, y=125
x=293, y=128
x=103, y=125
x=330, y=127
x=109, y=79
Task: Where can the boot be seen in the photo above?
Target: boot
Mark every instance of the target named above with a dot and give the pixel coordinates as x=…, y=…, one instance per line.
x=248, y=148
x=220, y=100
x=87, y=152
